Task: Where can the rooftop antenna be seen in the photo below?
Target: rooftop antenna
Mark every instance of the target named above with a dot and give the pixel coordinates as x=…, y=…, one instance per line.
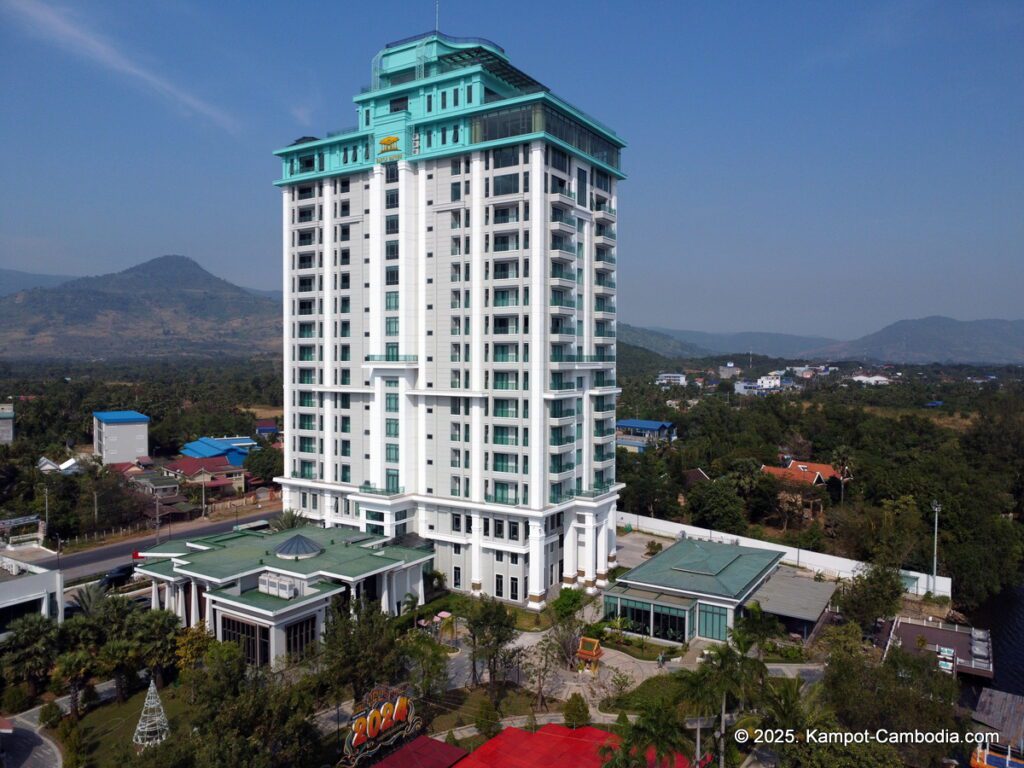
x=437, y=15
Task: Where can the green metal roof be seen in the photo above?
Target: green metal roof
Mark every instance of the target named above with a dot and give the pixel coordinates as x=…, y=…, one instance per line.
x=261, y=601
x=345, y=554
x=705, y=567
x=163, y=568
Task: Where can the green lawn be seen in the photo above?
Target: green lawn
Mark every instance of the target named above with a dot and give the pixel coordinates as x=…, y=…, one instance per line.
x=649, y=651
x=659, y=688
x=109, y=728
x=460, y=707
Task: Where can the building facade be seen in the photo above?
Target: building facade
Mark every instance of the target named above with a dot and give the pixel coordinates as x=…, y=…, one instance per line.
x=26, y=588
x=449, y=316
x=119, y=436
x=6, y=423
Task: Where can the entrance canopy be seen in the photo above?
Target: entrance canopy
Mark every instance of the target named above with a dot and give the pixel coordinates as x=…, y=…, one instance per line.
x=790, y=594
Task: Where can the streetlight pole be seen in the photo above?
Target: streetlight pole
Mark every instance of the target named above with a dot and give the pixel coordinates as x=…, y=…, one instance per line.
x=936, y=508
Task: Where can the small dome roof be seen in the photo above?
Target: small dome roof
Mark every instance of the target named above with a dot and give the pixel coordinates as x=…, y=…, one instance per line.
x=297, y=546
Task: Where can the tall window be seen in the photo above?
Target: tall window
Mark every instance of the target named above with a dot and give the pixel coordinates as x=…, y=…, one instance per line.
x=391, y=326
x=391, y=453
x=390, y=173
x=391, y=300
x=391, y=402
x=391, y=427
x=253, y=640
x=391, y=480
x=712, y=621
x=499, y=585
x=391, y=224
x=391, y=276
x=457, y=577
x=300, y=637
x=390, y=199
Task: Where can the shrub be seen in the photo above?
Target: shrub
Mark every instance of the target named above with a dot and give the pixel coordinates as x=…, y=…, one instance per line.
x=653, y=548
x=488, y=721
x=577, y=713
x=89, y=697
x=450, y=739
x=50, y=715
x=567, y=603
x=15, y=700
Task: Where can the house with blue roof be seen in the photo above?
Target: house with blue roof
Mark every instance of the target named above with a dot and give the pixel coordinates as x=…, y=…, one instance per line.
x=636, y=435
x=234, y=449
x=119, y=436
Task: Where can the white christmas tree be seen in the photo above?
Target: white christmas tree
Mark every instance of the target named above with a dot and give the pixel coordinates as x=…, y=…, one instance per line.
x=153, y=727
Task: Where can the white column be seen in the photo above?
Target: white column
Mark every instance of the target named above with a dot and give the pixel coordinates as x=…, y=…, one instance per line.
x=286, y=308
x=385, y=593
x=571, y=547
x=613, y=517
x=194, y=618
x=537, y=591
x=419, y=593
x=180, y=604
x=154, y=596
x=539, y=348
x=476, y=319
x=590, y=553
x=211, y=625
x=602, y=552
x=476, y=552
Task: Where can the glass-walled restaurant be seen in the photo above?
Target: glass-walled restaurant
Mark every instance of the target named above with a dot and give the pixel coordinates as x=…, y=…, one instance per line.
x=663, y=615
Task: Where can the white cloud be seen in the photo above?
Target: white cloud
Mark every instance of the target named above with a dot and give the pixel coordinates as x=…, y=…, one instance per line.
x=57, y=27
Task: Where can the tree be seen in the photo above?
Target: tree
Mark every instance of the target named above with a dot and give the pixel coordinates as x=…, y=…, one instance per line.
x=120, y=658
x=871, y=595
x=223, y=673
x=410, y=603
x=156, y=633
x=450, y=738
x=74, y=668
x=287, y=520
x=89, y=598
x=716, y=505
x=699, y=702
x=487, y=721
x=426, y=665
x=657, y=730
x=266, y=462
x=725, y=672
x=189, y=649
x=29, y=650
x=841, y=461
x=576, y=712
x=542, y=660
x=568, y=602
x=492, y=628
x=901, y=531
x=758, y=626
x=361, y=650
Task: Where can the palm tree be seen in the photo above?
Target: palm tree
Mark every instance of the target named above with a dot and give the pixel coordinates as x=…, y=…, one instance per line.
x=619, y=624
x=620, y=755
x=156, y=635
x=758, y=626
x=287, y=520
x=90, y=598
x=448, y=626
x=74, y=668
x=30, y=649
x=120, y=659
x=841, y=458
x=699, y=701
x=782, y=708
x=657, y=729
x=410, y=603
x=725, y=673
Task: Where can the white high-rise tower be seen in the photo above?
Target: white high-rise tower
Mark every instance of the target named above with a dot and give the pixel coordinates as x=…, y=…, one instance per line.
x=449, y=321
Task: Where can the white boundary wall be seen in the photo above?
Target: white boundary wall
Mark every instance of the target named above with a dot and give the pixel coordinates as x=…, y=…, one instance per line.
x=829, y=566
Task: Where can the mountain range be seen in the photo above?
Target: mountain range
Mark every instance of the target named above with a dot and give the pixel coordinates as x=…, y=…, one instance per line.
x=167, y=306
x=172, y=306
x=926, y=340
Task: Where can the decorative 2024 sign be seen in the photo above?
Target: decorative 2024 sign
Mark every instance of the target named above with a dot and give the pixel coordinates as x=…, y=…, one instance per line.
x=386, y=717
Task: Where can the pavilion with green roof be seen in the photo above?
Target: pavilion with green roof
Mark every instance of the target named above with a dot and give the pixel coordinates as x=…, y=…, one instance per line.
x=271, y=591
x=692, y=589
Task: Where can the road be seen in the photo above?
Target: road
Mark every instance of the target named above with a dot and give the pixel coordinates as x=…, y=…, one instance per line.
x=101, y=559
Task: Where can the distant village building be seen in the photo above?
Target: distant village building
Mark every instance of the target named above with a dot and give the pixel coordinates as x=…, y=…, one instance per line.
x=49, y=466
x=671, y=380
x=119, y=436
x=6, y=423
x=729, y=371
x=234, y=449
x=214, y=473
x=771, y=381
x=266, y=428
x=636, y=435
x=871, y=381
x=807, y=475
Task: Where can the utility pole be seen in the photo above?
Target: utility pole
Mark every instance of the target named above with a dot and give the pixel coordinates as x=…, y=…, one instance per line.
x=157, y=502
x=46, y=496
x=204, y=498
x=95, y=508
x=936, y=508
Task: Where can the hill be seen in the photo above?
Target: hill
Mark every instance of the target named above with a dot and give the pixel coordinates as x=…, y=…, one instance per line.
x=758, y=342
x=13, y=280
x=655, y=341
x=936, y=339
x=167, y=306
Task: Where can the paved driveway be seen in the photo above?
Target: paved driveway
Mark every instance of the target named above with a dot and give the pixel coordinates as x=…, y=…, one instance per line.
x=27, y=749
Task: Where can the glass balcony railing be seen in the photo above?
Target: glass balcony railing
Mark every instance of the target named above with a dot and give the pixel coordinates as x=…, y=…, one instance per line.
x=604, y=333
x=557, y=440
x=506, y=358
x=391, y=358
x=557, y=496
x=506, y=413
x=560, y=273
x=607, y=258
x=604, y=455
x=563, y=301
x=505, y=440
x=606, y=232
x=502, y=498
x=604, y=307
x=605, y=283
x=562, y=386
x=604, y=431
x=562, y=414
x=376, y=491
x=603, y=207
x=597, y=490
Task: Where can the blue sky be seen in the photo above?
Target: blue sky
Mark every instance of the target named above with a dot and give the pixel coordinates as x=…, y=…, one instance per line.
x=813, y=167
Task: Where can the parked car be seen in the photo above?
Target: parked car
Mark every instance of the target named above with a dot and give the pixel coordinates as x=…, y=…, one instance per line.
x=117, y=577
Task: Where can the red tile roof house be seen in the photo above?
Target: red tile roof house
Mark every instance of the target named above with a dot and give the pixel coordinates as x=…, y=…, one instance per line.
x=214, y=472
x=807, y=473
